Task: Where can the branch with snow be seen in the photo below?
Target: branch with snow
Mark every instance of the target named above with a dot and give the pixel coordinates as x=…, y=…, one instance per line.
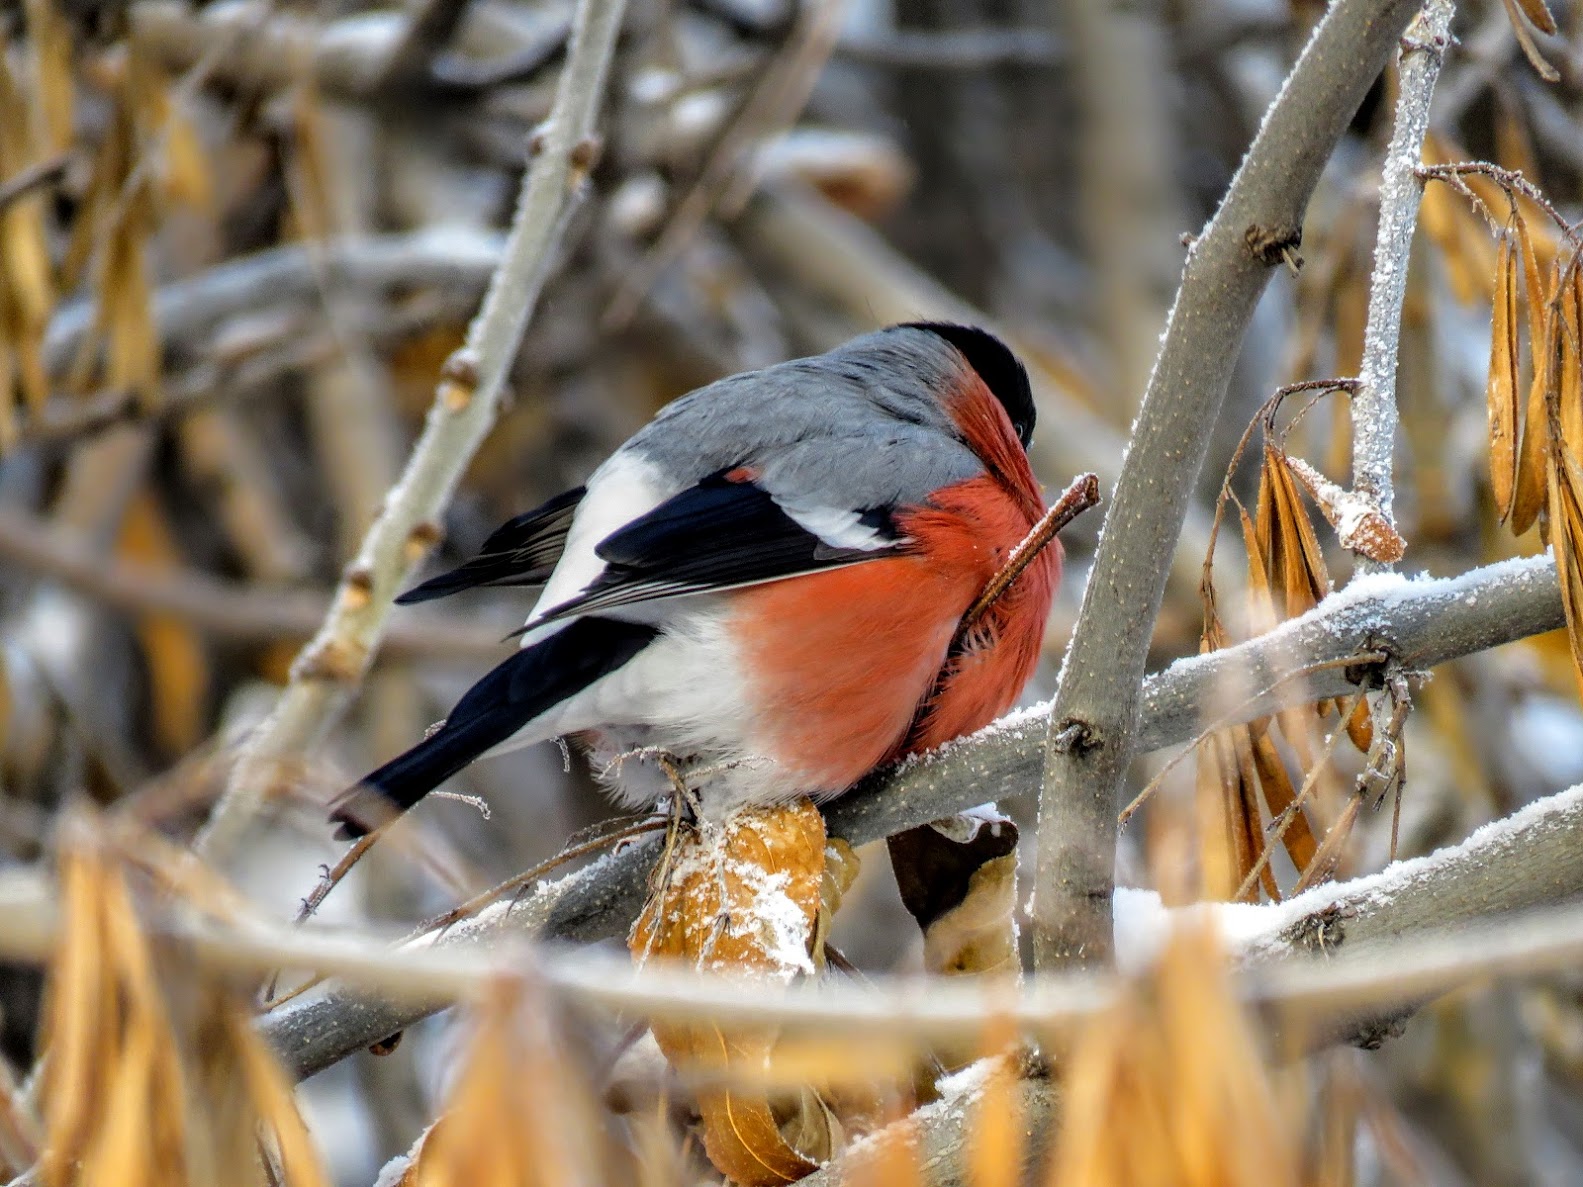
x=1094, y=725
x=1341, y=963
x=1419, y=623
x=330, y=667
x=1374, y=415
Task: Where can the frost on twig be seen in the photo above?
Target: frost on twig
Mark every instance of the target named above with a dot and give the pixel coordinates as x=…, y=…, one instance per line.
x=1374, y=412
x=1360, y=523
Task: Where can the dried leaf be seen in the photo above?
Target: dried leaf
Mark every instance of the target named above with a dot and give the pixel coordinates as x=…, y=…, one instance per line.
x=519, y=1114
x=309, y=167
x=1445, y=219
x=1566, y=536
x=1501, y=387
x=958, y=878
x=1287, y=538
x=49, y=39
x=271, y=1095
x=996, y=1138
x=1514, y=148
x=1569, y=379
x=1360, y=731
x=1168, y=1087
x=742, y=897
x=27, y=284
x=179, y=675
x=1279, y=795
x=1530, y=490
x=1539, y=13
x=1525, y=37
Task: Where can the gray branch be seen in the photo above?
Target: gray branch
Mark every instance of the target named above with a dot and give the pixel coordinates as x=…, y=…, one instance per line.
x=1418, y=623
x=1374, y=414
x=1094, y=726
x=457, y=260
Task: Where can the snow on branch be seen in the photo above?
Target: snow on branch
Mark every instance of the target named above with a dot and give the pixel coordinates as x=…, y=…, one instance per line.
x=1418, y=623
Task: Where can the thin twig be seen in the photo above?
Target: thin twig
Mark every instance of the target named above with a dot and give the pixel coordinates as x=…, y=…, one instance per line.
x=954, y=49
x=1078, y=498
x=1374, y=413
x=1237, y=716
x=1227, y=269
x=228, y=609
x=467, y=400
x=25, y=181
x=1277, y=830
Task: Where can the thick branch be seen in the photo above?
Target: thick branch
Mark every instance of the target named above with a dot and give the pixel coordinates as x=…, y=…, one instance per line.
x=1420, y=623
x=1094, y=726
x=328, y=670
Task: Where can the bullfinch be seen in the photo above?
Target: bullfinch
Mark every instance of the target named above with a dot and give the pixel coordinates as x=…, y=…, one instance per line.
x=766, y=582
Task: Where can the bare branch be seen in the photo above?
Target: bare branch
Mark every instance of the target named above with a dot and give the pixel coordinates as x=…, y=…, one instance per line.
x=1374, y=415
x=456, y=259
x=1094, y=726
x=248, y=613
x=1420, y=623
x=328, y=670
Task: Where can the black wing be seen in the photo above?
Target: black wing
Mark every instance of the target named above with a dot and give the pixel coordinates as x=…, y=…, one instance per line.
x=522, y=551
x=529, y=683
x=719, y=534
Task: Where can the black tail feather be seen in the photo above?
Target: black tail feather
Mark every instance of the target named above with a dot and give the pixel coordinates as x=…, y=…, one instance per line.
x=516, y=691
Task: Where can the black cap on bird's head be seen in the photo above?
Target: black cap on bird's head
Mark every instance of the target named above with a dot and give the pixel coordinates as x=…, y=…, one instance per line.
x=1000, y=369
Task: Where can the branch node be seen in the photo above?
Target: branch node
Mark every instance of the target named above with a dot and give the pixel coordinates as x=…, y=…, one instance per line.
x=1321, y=932
x=357, y=586
x=583, y=157
x=1074, y=736
x=424, y=536
x=1275, y=243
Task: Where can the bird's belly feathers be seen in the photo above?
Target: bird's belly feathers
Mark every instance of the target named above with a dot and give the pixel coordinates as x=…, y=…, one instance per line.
x=795, y=687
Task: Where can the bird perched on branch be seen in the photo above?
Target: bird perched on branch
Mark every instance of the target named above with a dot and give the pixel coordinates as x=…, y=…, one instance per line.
x=768, y=583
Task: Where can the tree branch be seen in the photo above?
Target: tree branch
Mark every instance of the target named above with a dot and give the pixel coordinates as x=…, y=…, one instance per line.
x=1374, y=415
x=456, y=259
x=1094, y=725
x=226, y=609
x=1419, y=623
x=328, y=670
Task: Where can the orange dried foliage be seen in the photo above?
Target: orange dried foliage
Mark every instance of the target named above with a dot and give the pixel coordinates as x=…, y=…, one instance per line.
x=1169, y=1087
x=742, y=899
x=1459, y=235
x=1529, y=494
x=136, y=1091
x=519, y=1114
x=1566, y=536
x=1501, y=387
x=179, y=674
x=996, y=1140
x=50, y=51
x=27, y=283
x=308, y=170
